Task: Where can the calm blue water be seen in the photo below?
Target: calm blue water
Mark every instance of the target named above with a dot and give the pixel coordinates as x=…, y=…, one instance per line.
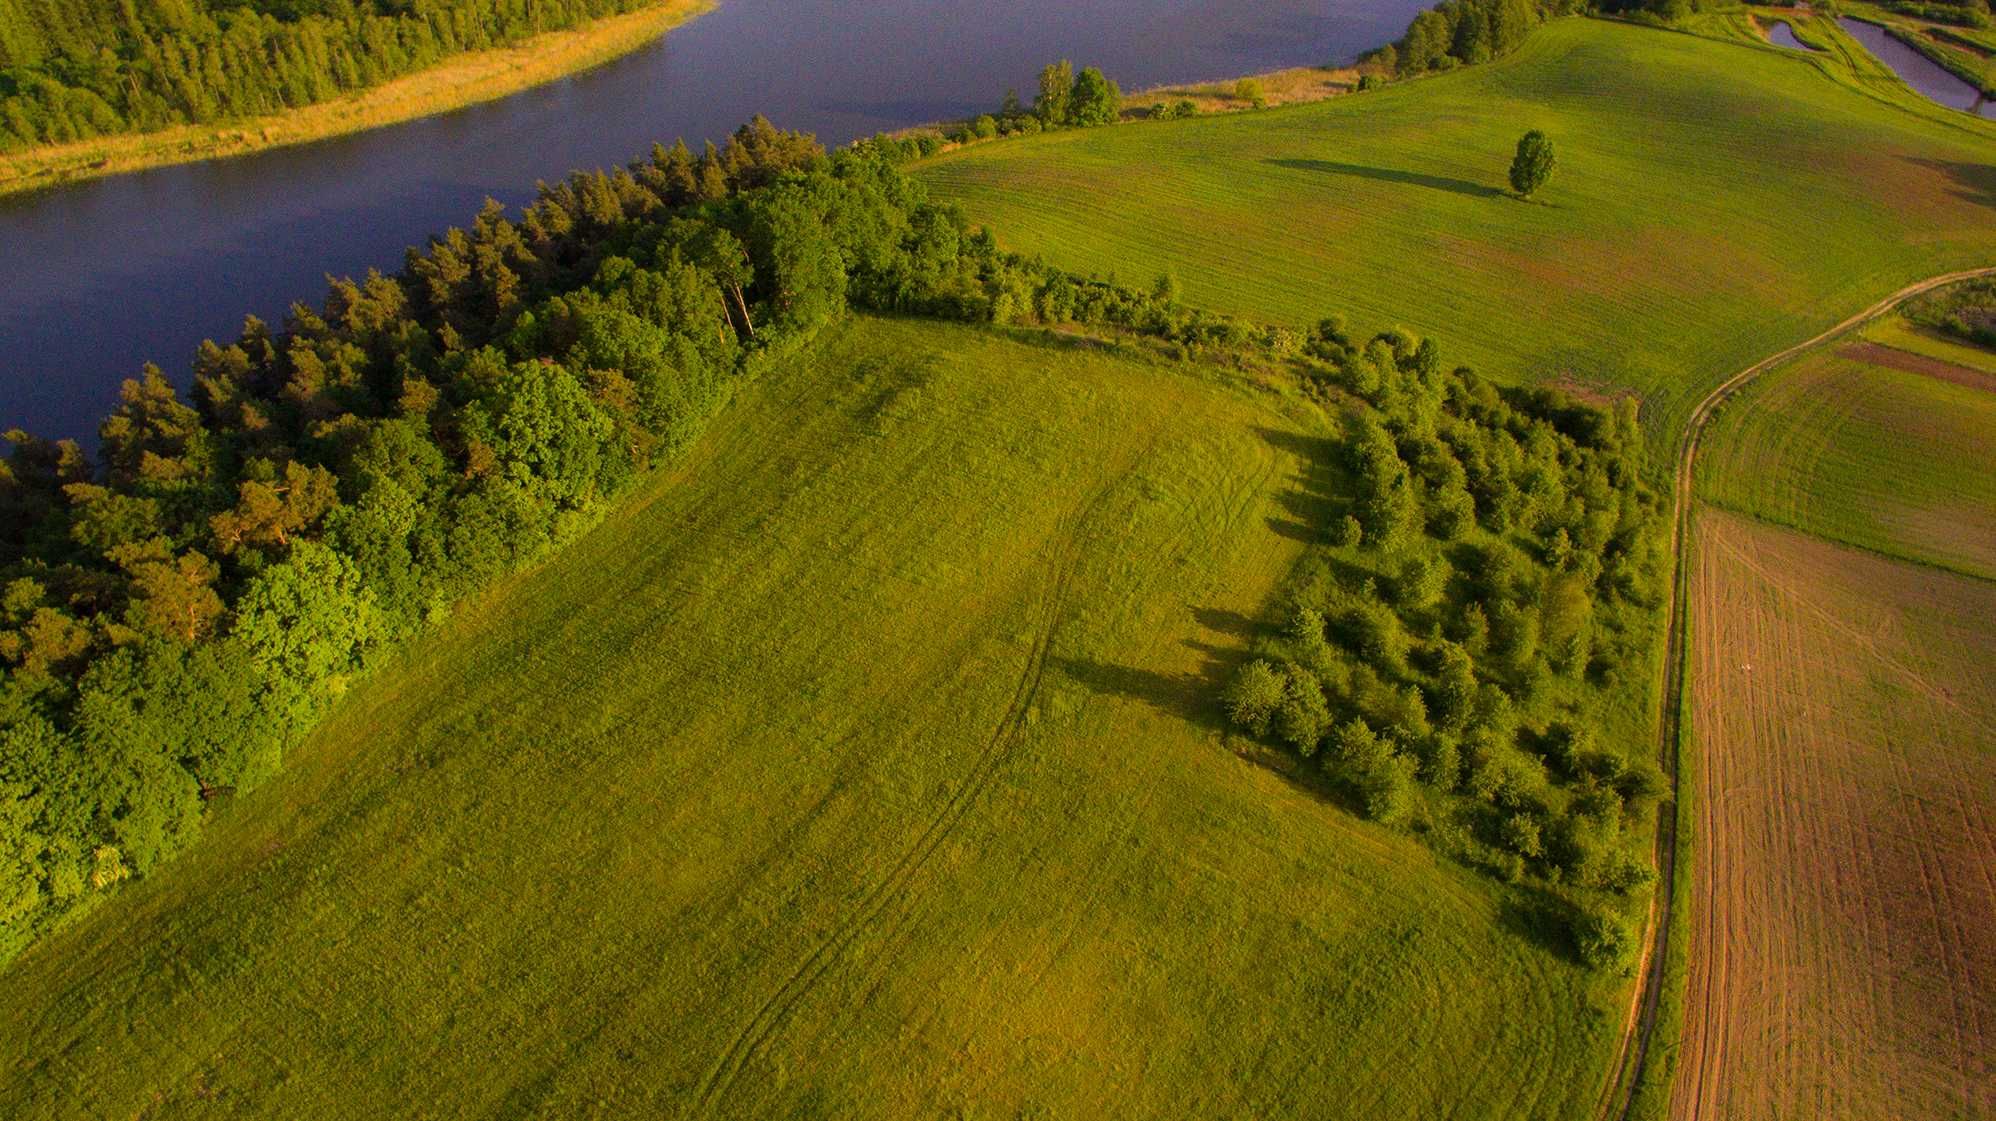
x=97, y=278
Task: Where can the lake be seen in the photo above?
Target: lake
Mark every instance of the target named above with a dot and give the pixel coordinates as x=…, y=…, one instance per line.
x=97, y=278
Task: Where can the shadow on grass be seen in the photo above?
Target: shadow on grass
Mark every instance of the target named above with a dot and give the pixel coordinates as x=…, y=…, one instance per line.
x=1975, y=182
x=1312, y=500
x=1193, y=695
x=1389, y=175
x=1541, y=918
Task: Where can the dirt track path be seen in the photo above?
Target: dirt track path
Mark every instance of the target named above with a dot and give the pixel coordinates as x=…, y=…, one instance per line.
x=1619, y=1096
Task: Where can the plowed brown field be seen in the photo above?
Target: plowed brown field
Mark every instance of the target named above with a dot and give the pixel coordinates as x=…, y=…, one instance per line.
x=1843, y=959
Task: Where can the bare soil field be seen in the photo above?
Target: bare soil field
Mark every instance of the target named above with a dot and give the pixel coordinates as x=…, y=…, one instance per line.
x=1878, y=354
x=1843, y=963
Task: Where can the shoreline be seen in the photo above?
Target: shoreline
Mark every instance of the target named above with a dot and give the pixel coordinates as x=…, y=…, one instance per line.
x=1289, y=85
x=462, y=81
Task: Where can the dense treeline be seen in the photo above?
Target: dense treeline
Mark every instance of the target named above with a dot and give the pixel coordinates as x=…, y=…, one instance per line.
x=1487, y=580
x=74, y=69
x=1467, y=32
x=1460, y=33
x=176, y=615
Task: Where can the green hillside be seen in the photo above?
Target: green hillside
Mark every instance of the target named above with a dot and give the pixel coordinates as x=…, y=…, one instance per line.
x=1715, y=201
x=866, y=763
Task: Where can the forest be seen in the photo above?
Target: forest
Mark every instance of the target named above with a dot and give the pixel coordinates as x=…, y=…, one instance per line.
x=1486, y=574
x=177, y=611
x=76, y=69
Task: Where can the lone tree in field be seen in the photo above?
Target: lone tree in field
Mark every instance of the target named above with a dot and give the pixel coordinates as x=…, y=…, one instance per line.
x=1533, y=164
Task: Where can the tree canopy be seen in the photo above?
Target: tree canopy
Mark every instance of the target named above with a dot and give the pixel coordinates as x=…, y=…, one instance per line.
x=1532, y=167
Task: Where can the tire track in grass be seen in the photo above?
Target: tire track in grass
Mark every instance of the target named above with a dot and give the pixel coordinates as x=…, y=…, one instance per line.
x=1631, y=1063
x=776, y=1008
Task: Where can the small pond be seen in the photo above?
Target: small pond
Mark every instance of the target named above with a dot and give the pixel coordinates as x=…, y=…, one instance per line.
x=1782, y=35
x=1919, y=71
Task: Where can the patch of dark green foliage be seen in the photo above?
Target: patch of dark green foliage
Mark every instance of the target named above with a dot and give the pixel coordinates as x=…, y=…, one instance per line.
x=1966, y=311
x=1065, y=100
x=1486, y=574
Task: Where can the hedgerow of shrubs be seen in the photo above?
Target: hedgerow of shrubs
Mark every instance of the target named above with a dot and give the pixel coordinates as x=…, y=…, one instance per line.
x=1487, y=575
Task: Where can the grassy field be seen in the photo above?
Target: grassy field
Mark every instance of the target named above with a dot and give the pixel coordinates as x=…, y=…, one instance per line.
x=1716, y=201
x=1867, y=445
x=465, y=79
x=1845, y=721
x=865, y=765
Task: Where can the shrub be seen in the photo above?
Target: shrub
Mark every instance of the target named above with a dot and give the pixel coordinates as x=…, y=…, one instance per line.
x=1094, y=101
x=1251, y=91
x=1304, y=714
x=1254, y=695
x=1603, y=939
x=1533, y=165
x=1520, y=833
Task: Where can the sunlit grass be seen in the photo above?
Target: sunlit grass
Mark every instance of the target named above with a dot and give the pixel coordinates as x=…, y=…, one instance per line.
x=1715, y=202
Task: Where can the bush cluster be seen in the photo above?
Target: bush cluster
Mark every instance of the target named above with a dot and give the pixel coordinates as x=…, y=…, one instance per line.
x=1966, y=311
x=1489, y=571
x=1065, y=100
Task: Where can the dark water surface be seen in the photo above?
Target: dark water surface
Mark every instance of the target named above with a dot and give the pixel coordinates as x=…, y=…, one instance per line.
x=98, y=277
x=1919, y=71
x=1782, y=35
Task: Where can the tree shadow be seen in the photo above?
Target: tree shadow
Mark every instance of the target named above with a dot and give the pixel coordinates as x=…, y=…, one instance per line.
x=1194, y=695
x=1975, y=182
x=1315, y=497
x=1540, y=917
x=1389, y=175
x=1233, y=624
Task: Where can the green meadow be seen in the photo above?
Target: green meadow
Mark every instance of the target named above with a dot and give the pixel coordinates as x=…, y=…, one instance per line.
x=1896, y=461
x=1716, y=201
x=867, y=763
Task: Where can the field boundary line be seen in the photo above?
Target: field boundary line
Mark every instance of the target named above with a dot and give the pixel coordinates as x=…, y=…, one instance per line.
x=1632, y=1058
